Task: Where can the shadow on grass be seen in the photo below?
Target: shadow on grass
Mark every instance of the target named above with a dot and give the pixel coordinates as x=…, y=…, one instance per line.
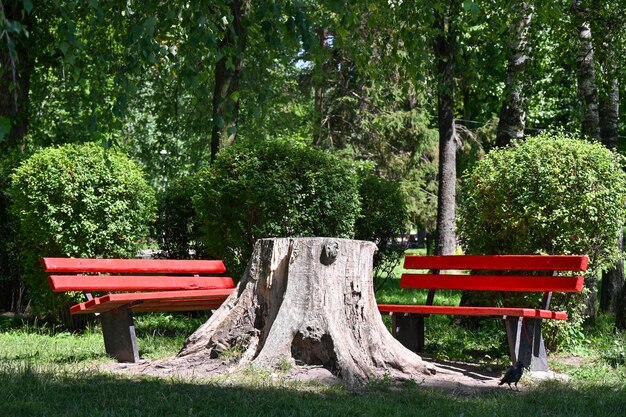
x=29, y=391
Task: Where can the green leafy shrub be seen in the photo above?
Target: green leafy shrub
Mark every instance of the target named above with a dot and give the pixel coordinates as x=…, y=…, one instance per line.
x=77, y=201
x=384, y=214
x=176, y=227
x=551, y=194
x=273, y=188
x=384, y=217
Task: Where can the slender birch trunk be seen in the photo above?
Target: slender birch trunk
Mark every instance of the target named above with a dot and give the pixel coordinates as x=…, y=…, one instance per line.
x=585, y=72
x=512, y=119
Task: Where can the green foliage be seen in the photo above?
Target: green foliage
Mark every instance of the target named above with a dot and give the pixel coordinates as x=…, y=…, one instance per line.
x=176, y=225
x=551, y=194
x=384, y=213
x=384, y=217
x=269, y=189
x=79, y=201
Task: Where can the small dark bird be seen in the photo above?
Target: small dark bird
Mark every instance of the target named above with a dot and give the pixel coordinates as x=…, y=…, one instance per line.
x=513, y=374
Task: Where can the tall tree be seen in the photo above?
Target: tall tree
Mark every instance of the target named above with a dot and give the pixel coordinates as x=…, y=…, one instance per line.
x=445, y=40
x=588, y=95
x=16, y=66
x=607, y=24
x=512, y=120
x=585, y=71
x=228, y=74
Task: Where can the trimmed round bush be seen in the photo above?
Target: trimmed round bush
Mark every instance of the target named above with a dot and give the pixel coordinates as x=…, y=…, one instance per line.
x=551, y=194
x=274, y=188
x=77, y=201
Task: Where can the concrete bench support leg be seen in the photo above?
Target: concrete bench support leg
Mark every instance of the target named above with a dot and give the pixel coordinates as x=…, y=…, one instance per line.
x=118, y=329
x=526, y=342
x=408, y=329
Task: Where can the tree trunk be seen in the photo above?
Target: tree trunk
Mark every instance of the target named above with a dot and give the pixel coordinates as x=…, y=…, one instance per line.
x=620, y=313
x=613, y=279
x=446, y=200
x=612, y=282
x=227, y=75
x=512, y=119
x=590, y=127
x=609, y=102
x=586, y=73
x=15, y=71
x=320, y=76
x=307, y=301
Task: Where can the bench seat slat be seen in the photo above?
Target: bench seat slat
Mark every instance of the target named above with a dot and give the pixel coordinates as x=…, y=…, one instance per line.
x=179, y=306
x=111, y=301
x=492, y=282
x=88, y=283
x=130, y=266
x=499, y=262
x=169, y=305
x=473, y=311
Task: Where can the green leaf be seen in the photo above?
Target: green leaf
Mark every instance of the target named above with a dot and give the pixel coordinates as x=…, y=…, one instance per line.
x=219, y=122
x=28, y=6
x=64, y=47
x=471, y=7
x=13, y=26
x=229, y=63
x=149, y=25
x=337, y=6
x=5, y=127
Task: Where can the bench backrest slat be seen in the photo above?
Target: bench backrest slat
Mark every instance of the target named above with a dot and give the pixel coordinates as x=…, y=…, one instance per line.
x=499, y=262
x=492, y=282
x=136, y=266
x=60, y=283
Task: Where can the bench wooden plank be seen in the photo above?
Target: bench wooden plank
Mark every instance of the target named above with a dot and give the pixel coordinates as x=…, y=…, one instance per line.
x=473, y=311
x=152, y=306
x=181, y=305
x=112, y=301
x=492, y=282
x=499, y=262
x=88, y=283
x=131, y=266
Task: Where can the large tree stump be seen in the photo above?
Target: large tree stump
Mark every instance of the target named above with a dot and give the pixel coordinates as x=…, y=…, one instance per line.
x=309, y=301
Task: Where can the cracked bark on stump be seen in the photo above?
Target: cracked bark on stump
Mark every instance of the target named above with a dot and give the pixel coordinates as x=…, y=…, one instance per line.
x=307, y=301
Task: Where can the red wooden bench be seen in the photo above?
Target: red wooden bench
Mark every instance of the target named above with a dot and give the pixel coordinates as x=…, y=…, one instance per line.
x=138, y=285
x=489, y=273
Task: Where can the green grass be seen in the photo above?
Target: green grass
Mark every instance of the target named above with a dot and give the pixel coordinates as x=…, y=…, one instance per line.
x=40, y=390
x=48, y=373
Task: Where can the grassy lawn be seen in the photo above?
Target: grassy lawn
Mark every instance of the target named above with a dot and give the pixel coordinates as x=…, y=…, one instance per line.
x=46, y=372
